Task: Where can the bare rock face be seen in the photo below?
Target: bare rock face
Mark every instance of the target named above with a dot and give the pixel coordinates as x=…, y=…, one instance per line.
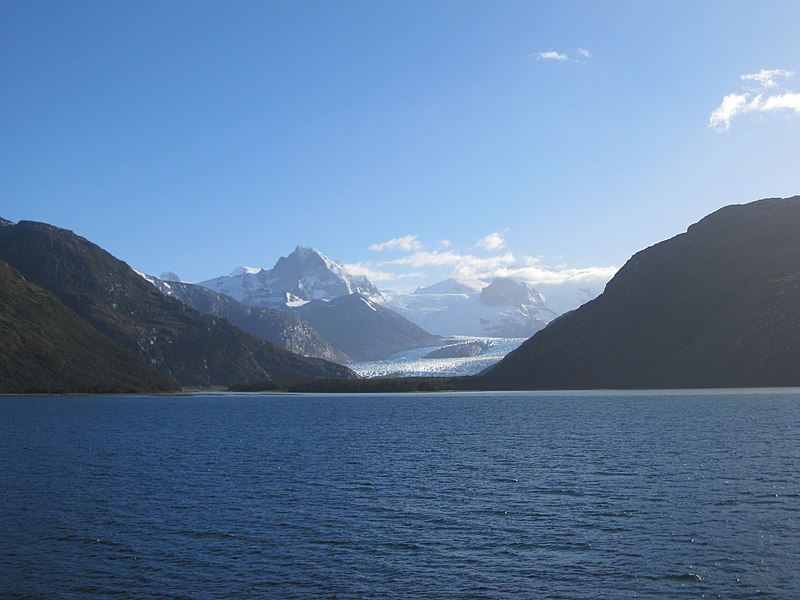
x=717, y=306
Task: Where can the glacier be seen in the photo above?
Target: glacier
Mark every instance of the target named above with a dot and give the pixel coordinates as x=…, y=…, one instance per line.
x=413, y=363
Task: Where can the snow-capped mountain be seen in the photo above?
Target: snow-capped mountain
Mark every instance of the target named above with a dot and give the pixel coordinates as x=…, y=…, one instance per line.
x=309, y=285
x=453, y=286
x=567, y=296
x=285, y=330
x=504, y=308
x=305, y=275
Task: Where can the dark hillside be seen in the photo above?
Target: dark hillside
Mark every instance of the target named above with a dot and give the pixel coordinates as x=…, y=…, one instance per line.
x=717, y=306
x=364, y=329
x=193, y=348
x=47, y=348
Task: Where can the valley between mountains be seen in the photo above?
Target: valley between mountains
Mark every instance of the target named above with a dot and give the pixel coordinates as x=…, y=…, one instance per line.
x=716, y=306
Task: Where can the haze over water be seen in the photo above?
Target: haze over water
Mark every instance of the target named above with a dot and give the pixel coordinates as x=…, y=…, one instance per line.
x=539, y=495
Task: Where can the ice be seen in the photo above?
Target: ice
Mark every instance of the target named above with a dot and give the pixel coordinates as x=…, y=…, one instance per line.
x=411, y=363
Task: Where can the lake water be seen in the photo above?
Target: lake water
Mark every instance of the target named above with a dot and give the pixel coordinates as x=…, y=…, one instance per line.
x=526, y=495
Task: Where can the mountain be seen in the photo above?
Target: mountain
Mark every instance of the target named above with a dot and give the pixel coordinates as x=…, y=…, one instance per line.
x=453, y=286
x=170, y=276
x=565, y=296
x=363, y=328
x=506, y=307
x=309, y=285
x=47, y=348
x=192, y=348
x=306, y=274
x=717, y=306
x=274, y=326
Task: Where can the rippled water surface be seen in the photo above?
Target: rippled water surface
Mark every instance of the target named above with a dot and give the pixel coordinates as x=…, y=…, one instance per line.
x=674, y=495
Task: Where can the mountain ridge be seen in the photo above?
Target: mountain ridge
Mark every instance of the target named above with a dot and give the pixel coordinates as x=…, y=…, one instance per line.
x=47, y=348
x=364, y=329
x=278, y=327
x=192, y=348
x=305, y=274
x=716, y=306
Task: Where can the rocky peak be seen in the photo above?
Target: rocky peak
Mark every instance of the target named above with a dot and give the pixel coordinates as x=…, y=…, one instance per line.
x=505, y=291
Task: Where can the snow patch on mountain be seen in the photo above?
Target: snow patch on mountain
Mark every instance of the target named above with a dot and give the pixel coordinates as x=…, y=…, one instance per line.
x=245, y=270
x=453, y=286
x=170, y=276
x=305, y=275
x=505, y=308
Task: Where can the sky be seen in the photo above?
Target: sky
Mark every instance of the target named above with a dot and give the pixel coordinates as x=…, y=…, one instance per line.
x=411, y=140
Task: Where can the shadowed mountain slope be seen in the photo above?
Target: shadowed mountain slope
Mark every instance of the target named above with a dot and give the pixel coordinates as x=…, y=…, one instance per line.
x=47, y=348
x=193, y=348
x=274, y=326
x=717, y=306
x=363, y=328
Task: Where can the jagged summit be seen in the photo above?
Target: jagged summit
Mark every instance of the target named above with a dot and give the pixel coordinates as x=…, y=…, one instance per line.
x=304, y=275
x=507, y=291
x=505, y=307
x=5, y=222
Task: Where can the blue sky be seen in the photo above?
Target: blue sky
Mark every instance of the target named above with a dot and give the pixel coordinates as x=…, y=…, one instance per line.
x=526, y=138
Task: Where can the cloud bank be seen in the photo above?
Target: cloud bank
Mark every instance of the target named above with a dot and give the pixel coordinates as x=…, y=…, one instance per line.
x=444, y=262
x=406, y=243
x=756, y=98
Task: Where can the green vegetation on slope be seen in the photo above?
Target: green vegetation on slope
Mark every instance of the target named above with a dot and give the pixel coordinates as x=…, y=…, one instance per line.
x=47, y=348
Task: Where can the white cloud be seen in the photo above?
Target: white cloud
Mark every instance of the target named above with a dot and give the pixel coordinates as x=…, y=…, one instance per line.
x=493, y=241
x=538, y=275
x=366, y=270
x=767, y=78
x=789, y=100
x=454, y=259
x=732, y=105
x=406, y=243
x=584, y=52
x=738, y=103
x=550, y=55
x=445, y=262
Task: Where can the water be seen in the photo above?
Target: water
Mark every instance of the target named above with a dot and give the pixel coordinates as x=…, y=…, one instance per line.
x=412, y=363
x=693, y=495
